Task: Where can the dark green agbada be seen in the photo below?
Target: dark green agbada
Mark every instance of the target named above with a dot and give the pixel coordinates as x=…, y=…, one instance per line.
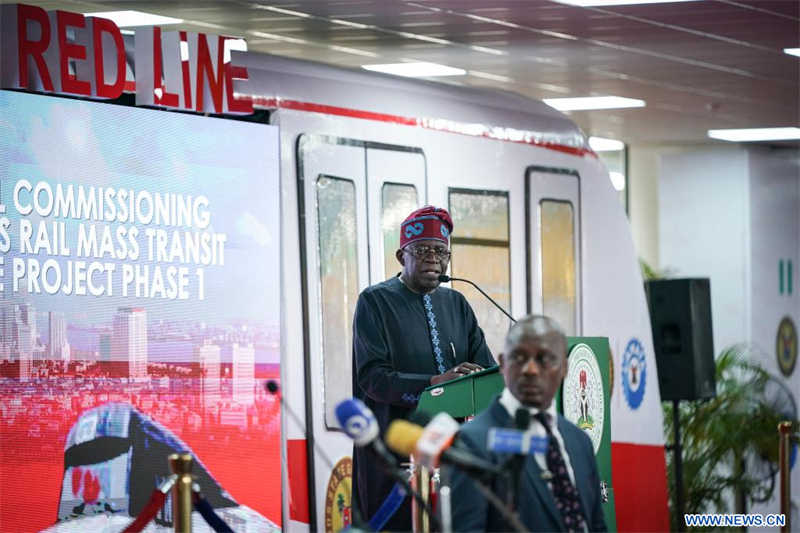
x=400, y=340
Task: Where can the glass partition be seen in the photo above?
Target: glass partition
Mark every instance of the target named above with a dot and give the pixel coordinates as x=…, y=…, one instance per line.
x=338, y=274
x=398, y=201
x=557, y=242
x=481, y=253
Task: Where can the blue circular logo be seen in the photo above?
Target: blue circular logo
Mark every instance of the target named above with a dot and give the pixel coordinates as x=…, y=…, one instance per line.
x=634, y=373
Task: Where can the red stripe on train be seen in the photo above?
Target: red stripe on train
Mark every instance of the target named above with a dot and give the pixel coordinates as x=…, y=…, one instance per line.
x=430, y=124
x=298, y=480
x=640, y=487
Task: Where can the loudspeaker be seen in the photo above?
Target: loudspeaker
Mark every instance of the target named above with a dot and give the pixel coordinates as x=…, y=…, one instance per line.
x=680, y=316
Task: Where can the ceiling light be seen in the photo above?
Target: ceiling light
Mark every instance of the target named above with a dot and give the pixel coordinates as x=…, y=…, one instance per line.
x=135, y=18
x=350, y=24
x=592, y=102
x=599, y=144
x=287, y=12
x=416, y=70
x=792, y=51
x=617, y=180
x=756, y=134
x=598, y=3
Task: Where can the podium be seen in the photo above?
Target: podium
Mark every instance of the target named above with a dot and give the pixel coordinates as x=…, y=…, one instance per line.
x=583, y=399
x=465, y=396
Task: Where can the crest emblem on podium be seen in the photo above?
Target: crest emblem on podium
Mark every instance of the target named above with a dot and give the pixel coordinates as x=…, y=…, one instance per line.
x=584, y=404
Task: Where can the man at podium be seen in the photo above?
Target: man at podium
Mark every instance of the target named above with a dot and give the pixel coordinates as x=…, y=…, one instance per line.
x=409, y=334
x=558, y=490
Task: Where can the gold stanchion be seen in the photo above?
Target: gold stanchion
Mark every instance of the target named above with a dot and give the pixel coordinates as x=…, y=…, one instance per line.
x=181, y=466
x=784, y=429
x=425, y=492
x=420, y=482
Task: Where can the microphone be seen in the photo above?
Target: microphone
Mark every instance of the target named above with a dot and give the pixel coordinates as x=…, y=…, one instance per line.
x=432, y=444
x=444, y=278
x=359, y=423
x=515, y=465
x=402, y=437
x=273, y=388
x=503, y=440
x=516, y=441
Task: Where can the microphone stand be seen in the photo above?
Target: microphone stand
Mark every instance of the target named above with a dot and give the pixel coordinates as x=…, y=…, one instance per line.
x=445, y=509
x=512, y=519
x=516, y=464
x=274, y=389
x=398, y=477
x=445, y=278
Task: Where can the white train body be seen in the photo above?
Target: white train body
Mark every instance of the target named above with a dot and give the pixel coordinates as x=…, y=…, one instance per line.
x=357, y=132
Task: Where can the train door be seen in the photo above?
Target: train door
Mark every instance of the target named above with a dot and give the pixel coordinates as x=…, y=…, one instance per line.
x=353, y=196
x=554, y=245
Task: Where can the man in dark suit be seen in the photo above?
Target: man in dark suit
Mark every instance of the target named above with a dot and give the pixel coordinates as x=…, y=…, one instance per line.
x=558, y=490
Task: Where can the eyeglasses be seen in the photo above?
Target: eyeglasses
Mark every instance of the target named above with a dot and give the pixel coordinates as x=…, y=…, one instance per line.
x=421, y=252
x=544, y=360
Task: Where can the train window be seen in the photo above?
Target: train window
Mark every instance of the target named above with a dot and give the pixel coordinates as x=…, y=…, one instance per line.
x=481, y=253
x=557, y=241
x=398, y=201
x=338, y=274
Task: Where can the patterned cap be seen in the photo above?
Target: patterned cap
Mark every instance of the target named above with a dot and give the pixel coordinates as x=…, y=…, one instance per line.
x=428, y=222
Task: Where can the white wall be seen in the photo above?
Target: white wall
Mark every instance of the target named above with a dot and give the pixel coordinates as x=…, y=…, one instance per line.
x=775, y=235
x=643, y=201
x=730, y=214
x=704, y=211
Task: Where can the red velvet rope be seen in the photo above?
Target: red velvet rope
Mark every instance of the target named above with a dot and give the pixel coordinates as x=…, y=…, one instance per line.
x=149, y=512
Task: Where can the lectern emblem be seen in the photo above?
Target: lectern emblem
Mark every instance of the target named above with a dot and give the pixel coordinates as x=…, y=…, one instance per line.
x=584, y=404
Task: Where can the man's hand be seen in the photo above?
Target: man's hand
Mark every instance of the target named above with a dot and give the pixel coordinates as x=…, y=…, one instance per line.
x=456, y=372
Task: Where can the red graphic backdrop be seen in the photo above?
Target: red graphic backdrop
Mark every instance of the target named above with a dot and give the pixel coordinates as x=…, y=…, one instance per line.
x=139, y=280
x=35, y=427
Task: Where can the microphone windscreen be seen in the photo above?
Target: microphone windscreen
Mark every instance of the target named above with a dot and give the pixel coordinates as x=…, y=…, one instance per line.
x=444, y=278
x=358, y=421
x=402, y=437
x=522, y=419
x=420, y=418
